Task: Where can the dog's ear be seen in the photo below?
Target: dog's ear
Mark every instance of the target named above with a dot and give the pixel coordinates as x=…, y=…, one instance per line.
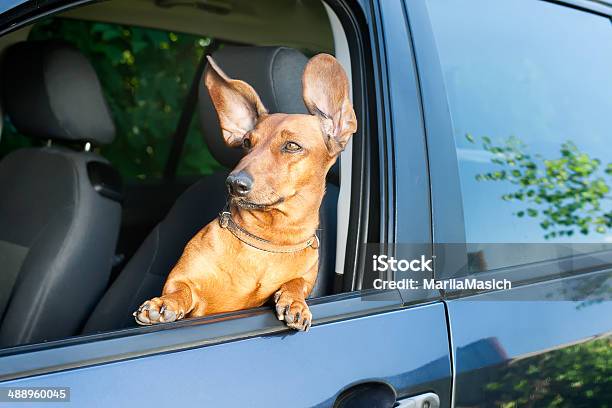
x=237, y=104
x=326, y=95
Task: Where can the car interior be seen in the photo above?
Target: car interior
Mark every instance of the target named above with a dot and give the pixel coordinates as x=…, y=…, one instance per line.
x=81, y=244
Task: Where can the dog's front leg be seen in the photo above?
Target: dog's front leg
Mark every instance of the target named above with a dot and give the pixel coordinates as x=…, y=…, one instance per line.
x=291, y=305
x=175, y=302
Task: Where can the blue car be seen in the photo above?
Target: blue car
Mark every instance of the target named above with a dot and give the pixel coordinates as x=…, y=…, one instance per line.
x=465, y=235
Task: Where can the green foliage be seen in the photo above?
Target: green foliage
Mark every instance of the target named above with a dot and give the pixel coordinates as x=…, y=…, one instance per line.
x=146, y=75
x=11, y=140
x=575, y=376
x=564, y=193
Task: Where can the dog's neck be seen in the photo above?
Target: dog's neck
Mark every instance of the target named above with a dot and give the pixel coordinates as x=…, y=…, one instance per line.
x=296, y=223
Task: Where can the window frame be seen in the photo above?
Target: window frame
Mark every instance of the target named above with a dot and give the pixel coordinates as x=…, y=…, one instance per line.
x=123, y=344
x=404, y=162
x=446, y=198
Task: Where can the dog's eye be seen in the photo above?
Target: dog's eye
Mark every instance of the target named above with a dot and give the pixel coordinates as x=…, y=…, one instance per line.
x=292, y=147
x=246, y=143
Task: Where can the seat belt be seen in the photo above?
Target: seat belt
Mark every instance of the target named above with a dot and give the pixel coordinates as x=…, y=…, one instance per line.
x=180, y=134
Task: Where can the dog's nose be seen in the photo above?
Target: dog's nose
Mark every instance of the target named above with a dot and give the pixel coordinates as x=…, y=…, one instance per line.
x=239, y=184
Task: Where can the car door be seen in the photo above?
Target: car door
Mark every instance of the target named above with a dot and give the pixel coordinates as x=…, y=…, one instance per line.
x=248, y=359
x=366, y=347
x=517, y=97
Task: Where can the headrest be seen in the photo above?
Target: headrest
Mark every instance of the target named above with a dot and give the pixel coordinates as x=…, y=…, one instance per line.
x=51, y=91
x=274, y=72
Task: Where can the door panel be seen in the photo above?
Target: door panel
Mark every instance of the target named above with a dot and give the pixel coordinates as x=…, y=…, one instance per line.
x=406, y=348
x=547, y=344
x=540, y=344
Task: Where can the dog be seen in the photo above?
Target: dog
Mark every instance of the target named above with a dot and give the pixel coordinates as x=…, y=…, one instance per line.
x=263, y=245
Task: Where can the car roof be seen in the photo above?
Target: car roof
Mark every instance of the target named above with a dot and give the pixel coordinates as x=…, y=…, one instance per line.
x=301, y=23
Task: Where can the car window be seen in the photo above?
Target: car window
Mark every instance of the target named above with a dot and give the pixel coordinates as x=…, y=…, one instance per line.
x=528, y=86
x=146, y=75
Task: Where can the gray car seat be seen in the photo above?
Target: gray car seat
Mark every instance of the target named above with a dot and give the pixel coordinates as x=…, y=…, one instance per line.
x=275, y=73
x=59, y=209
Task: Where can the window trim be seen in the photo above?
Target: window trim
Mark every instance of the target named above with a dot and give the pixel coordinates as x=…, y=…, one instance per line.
x=404, y=163
x=29, y=11
x=447, y=203
x=365, y=180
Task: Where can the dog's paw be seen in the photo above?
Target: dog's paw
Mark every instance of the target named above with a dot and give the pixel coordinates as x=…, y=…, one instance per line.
x=158, y=310
x=294, y=312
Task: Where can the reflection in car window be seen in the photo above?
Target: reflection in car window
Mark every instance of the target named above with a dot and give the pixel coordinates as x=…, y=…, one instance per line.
x=528, y=86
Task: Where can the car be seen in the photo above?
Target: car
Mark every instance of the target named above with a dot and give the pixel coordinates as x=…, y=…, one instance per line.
x=480, y=170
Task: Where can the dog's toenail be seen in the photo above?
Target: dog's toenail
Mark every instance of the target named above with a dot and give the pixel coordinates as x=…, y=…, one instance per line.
x=163, y=309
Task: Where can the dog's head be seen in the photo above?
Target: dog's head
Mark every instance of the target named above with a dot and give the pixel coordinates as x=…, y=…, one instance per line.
x=286, y=154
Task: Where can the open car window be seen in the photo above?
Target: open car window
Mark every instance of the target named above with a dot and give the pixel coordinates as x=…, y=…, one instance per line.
x=147, y=70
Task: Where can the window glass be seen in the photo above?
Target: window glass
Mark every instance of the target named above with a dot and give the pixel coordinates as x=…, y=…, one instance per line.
x=195, y=158
x=146, y=75
x=529, y=89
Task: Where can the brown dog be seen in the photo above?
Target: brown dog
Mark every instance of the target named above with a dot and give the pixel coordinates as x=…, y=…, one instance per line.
x=265, y=243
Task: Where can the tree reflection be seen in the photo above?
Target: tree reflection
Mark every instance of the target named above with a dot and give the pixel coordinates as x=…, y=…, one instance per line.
x=566, y=194
x=576, y=376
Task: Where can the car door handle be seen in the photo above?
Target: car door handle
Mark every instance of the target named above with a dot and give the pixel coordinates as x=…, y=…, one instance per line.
x=429, y=400
x=383, y=396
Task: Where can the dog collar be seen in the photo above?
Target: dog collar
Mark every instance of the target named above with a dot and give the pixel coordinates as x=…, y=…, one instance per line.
x=226, y=221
